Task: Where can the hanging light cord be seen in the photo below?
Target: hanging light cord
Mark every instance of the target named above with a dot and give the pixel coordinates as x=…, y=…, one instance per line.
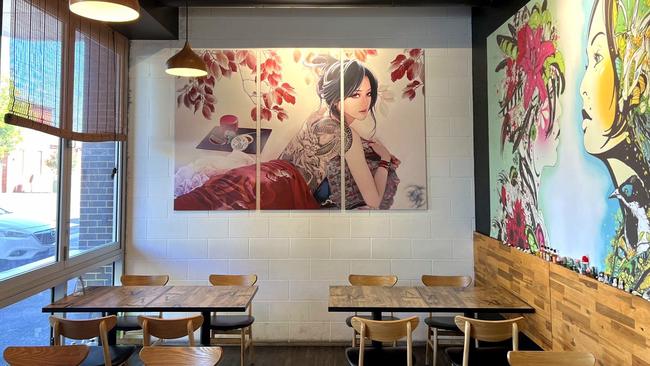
x=187, y=20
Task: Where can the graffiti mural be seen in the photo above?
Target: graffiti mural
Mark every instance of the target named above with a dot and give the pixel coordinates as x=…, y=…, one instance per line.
x=569, y=133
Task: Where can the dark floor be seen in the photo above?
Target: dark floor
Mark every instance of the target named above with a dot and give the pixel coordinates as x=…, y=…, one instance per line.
x=298, y=356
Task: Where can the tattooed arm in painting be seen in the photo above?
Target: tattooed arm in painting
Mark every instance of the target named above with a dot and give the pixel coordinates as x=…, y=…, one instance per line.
x=372, y=188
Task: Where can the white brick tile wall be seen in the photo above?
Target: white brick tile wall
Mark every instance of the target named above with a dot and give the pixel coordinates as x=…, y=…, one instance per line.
x=207, y=228
x=309, y=248
x=232, y=248
x=350, y=248
x=187, y=249
x=269, y=248
x=289, y=269
x=200, y=270
x=297, y=255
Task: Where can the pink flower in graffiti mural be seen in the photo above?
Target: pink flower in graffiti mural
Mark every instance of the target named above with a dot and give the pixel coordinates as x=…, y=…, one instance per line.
x=516, y=227
x=533, y=52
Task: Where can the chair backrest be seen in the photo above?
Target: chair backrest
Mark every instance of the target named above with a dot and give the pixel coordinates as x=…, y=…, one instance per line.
x=233, y=280
x=488, y=331
x=144, y=280
x=169, y=328
x=181, y=356
x=84, y=329
x=46, y=355
x=538, y=358
x=386, y=331
x=450, y=281
x=372, y=280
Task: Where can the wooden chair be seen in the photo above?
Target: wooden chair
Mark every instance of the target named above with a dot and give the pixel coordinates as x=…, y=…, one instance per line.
x=242, y=325
x=127, y=323
x=46, y=356
x=383, y=331
x=538, y=358
x=369, y=280
x=487, y=331
x=181, y=356
x=169, y=328
x=441, y=325
x=92, y=328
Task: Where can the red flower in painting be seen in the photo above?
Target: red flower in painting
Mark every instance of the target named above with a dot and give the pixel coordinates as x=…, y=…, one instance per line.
x=504, y=196
x=533, y=52
x=516, y=227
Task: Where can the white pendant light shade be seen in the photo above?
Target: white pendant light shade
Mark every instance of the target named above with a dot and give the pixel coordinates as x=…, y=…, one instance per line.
x=186, y=63
x=106, y=10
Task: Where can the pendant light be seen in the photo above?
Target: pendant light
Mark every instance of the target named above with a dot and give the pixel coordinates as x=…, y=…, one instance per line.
x=106, y=10
x=186, y=62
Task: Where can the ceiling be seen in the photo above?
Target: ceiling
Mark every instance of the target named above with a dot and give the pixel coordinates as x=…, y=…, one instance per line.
x=159, y=18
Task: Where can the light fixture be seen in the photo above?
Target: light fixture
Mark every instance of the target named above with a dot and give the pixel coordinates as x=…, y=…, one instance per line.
x=106, y=10
x=186, y=62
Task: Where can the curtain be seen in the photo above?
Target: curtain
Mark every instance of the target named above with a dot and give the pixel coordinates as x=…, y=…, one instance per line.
x=66, y=75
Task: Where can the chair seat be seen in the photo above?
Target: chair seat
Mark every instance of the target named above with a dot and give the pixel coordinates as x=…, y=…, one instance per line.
x=129, y=322
x=493, y=356
x=389, y=356
x=348, y=320
x=442, y=322
x=119, y=355
x=230, y=322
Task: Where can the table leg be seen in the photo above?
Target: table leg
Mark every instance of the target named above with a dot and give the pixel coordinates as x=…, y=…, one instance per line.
x=376, y=315
x=112, y=334
x=205, y=329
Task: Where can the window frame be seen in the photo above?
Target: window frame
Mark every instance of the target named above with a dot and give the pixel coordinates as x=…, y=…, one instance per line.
x=64, y=267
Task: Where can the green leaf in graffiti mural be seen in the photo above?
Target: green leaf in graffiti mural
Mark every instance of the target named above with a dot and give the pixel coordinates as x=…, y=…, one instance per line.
x=508, y=46
x=535, y=19
x=532, y=241
x=514, y=175
x=533, y=132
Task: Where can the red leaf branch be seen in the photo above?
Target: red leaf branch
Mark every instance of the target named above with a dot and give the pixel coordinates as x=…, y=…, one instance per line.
x=274, y=91
x=409, y=64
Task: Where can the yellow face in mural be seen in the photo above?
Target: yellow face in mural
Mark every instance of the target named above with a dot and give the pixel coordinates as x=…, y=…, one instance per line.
x=599, y=89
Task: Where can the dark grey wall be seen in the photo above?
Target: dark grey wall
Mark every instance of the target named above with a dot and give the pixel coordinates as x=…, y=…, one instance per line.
x=484, y=22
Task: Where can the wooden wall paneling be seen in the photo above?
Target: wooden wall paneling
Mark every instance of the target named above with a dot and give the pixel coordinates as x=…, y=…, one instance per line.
x=524, y=275
x=598, y=318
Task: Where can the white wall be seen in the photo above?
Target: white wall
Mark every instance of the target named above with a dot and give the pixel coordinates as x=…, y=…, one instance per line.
x=297, y=255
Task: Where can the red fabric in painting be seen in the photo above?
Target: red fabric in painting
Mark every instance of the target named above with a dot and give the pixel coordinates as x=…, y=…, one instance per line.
x=282, y=187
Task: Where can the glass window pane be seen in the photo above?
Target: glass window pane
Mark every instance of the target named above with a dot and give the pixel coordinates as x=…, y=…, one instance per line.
x=93, y=196
x=29, y=173
x=23, y=323
x=100, y=276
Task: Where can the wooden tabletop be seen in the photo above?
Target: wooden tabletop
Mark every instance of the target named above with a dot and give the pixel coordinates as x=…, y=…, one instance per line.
x=154, y=298
x=425, y=299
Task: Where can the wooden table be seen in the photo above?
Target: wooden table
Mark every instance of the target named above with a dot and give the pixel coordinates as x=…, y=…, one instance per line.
x=114, y=299
x=467, y=300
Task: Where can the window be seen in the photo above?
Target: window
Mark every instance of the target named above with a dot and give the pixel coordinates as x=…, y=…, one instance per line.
x=93, y=196
x=29, y=187
x=100, y=276
x=62, y=81
x=23, y=323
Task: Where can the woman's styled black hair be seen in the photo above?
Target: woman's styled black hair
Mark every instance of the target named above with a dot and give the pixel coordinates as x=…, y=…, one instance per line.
x=329, y=85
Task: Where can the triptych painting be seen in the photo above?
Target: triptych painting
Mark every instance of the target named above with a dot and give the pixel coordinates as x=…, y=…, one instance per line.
x=268, y=129
x=570, y=134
